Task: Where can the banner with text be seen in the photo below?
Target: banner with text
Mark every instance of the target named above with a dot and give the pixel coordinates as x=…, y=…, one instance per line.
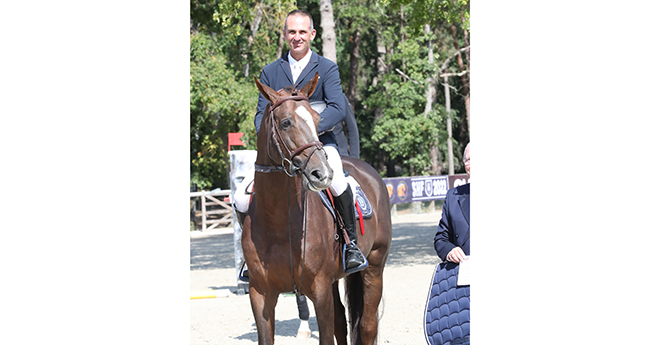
x=422, y=188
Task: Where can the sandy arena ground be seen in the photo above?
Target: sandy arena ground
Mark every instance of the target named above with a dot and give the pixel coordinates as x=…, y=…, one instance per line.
x=228, y=320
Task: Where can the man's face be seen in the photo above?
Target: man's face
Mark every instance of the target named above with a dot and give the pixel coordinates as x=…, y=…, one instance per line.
x=298, y=35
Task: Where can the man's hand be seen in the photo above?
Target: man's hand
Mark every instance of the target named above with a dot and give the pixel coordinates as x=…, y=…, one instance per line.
x=456, y=255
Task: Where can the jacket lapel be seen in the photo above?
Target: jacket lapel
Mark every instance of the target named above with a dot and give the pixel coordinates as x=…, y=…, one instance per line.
x=464, y=203
x=286, y=68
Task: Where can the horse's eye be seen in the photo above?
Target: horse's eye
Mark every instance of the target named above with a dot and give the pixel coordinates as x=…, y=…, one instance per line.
x=286, y=123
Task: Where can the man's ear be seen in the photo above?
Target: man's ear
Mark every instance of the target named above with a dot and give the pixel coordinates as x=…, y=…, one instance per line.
x=270, y=94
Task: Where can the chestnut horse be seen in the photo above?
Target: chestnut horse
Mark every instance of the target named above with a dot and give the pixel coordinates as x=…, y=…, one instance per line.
x=289, y=237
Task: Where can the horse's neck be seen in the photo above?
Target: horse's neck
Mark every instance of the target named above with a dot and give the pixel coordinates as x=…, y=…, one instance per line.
x=277, y=192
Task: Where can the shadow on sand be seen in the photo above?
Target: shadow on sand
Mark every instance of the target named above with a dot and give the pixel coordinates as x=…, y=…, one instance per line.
x=412, y=243
x=283, y=328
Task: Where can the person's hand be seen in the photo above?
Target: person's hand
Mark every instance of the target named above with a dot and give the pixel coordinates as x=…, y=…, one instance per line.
x=456, y=255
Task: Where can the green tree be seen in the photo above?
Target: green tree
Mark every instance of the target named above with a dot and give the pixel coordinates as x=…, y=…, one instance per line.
x=230, y=42
x=219, y=103
x=389, y=66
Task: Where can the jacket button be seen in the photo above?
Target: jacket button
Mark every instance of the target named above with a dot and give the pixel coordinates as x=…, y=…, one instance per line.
x=456, y=236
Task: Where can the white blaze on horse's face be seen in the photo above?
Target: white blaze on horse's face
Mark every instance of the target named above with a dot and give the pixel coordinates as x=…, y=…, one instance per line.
x=304, y=113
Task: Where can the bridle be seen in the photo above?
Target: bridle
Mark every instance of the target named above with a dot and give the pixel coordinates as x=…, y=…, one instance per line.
x=276, y=136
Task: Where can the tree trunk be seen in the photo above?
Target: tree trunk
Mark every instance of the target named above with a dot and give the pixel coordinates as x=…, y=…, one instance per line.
x=450, y=148
x=352, y=78
x=461, y=68
x=328, y=26
x=467, y=60
x=445, y=76
x=430, y=90
x=467, y=43
x=280, y=46
x=436, y=167
x=403, y=41
x=466, y=86
x=382, y=161
x=254, y=26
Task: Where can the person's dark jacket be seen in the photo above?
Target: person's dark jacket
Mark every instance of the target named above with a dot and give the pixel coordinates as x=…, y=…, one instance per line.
x=454, y=228
x=346, y=133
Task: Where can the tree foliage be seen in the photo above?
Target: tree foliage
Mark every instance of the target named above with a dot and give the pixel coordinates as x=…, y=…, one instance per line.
x=232, y=40
x=432, y=11
x=219, y=103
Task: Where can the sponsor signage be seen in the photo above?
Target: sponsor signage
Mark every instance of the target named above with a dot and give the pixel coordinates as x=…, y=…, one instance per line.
x=422, y=188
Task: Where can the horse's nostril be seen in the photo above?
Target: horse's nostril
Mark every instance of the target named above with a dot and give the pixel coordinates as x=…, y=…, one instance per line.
x=318, y=175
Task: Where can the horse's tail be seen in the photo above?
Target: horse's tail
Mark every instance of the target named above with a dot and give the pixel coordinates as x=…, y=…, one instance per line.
x=355, y=299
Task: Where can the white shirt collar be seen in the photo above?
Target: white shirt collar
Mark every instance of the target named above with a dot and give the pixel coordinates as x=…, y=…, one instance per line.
x=298, y=66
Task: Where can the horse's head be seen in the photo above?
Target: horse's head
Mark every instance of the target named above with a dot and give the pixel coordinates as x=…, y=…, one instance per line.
x=289, y=134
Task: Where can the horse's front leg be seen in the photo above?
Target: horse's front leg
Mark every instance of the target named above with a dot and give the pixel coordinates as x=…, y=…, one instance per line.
x=263, y=308
x=323, y=305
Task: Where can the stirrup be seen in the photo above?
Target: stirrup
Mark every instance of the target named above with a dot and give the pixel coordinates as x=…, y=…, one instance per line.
x=354, y=269
x=243, y=274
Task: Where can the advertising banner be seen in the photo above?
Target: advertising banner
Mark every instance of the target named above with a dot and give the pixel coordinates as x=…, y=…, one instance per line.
x=422, y=188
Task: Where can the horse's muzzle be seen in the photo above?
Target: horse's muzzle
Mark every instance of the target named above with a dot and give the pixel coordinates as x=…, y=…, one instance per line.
x=318, y=182
x=318, y=174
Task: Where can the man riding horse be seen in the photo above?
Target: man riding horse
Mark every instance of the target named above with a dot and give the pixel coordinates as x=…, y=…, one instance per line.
x=296, y=69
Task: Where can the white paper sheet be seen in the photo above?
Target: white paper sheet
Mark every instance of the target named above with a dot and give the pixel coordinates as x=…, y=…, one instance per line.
x=464, y=272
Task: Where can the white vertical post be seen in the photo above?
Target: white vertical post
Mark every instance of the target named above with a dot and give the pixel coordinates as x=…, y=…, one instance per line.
x=241, y=162
x=203, y=210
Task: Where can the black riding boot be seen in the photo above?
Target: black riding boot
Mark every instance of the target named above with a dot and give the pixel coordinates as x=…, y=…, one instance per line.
x=240, y=216
x=353, y=258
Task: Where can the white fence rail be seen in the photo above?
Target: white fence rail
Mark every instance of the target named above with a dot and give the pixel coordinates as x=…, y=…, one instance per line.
x=214, y=206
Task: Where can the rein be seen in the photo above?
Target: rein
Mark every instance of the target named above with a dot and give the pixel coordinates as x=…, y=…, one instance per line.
x=276, y=136
x=296, y=290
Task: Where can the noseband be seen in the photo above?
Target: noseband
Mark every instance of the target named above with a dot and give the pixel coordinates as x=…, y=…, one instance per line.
x=275, y=132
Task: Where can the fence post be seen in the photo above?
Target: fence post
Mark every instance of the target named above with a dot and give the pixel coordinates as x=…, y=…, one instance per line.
x=203, y=210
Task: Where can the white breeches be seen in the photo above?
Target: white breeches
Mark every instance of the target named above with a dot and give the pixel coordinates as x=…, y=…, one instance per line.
x=339, y=182
x=338, y=186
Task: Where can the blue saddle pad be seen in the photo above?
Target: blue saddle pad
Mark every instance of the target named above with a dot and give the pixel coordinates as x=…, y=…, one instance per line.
x=362, y=201
x=447, y=317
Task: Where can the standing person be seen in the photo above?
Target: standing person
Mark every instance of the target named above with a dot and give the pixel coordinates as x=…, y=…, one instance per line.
x=297, y=68
x=452, y=241
x=348, y=138
x=447, y=318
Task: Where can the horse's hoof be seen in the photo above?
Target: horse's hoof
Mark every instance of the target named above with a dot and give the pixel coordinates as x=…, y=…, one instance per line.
x=303, y=334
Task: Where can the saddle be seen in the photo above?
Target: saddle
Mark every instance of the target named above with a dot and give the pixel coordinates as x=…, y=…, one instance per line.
x=364, y=206
x=363, y=210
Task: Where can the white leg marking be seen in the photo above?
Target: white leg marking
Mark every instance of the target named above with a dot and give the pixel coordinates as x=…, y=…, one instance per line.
x=303, y=331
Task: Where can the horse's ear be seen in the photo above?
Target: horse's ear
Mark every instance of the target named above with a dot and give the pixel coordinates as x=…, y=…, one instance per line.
x=309, y=88
x=270, y=94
